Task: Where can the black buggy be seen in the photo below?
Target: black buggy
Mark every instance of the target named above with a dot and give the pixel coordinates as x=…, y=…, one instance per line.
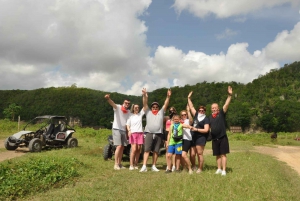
x=51, y=131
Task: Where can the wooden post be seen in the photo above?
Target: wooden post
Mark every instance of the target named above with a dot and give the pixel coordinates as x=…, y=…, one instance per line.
x=19, y=123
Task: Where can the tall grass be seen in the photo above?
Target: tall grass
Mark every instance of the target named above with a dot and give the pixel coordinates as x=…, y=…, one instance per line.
x=250, y=176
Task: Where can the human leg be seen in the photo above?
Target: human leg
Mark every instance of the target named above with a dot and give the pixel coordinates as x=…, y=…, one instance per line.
x=186, y=160
x=199, y=150
x=133, y=154
x=192, y=153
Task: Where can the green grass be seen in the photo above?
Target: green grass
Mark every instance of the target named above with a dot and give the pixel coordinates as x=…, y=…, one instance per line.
x=250, y=175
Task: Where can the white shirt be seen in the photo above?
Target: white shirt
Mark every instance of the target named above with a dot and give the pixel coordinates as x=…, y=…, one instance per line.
x=120, y=118
x=135, y=122
x=186, y=131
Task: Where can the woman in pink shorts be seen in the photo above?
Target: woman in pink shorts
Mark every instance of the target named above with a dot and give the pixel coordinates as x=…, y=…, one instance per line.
x=135, y=134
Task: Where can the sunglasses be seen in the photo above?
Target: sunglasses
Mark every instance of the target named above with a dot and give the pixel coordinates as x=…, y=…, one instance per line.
x=201, y=110
x=127, y=103
x=183, y=114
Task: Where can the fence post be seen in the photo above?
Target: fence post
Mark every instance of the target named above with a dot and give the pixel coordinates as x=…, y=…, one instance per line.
x=19, y=123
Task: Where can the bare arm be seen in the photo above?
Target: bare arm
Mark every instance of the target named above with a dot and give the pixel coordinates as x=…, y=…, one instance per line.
x=189, y=115
x=145, y=99
x=201, y=130
x=165, y=106
x=226, y=105
x=190, y=104
x=111, y=102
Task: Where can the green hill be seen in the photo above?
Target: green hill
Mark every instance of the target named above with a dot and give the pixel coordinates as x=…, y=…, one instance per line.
x=270, y=102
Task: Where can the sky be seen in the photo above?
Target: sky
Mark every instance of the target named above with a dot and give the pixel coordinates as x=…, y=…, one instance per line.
x=124, y=46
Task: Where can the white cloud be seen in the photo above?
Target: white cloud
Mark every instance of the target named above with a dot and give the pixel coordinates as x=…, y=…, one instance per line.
x=62, y=41
x=285, y=46
x=227, y=33
x=194, y=67
x=227, y=8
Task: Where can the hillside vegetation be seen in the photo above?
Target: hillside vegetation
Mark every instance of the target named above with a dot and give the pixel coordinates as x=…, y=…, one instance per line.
x=270, y=102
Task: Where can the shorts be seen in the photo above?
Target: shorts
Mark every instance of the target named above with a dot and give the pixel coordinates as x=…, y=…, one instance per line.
x=175, y=149
x=165, y=135
x=220, y=146
x=187, y=144
x=153, y=142
x=119, y=137
x=199, y=140
x=136, y=138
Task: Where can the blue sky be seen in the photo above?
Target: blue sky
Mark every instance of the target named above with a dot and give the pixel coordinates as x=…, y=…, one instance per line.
x=123, y=46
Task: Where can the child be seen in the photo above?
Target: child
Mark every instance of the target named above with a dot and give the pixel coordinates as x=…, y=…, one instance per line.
x=174, y=143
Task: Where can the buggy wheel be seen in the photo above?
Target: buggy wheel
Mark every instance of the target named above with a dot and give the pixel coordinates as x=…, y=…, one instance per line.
x=9, y=147
x=72, y=142
x=107, y=152
x=35, y=145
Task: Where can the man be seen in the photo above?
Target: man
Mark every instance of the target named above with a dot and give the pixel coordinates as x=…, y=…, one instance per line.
x=220, y=144
x=121, y=114
x=153, y=129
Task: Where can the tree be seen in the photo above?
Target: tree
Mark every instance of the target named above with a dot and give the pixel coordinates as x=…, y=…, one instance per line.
x=12, y=110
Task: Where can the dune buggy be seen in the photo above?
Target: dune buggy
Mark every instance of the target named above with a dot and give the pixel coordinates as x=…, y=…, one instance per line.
x=51, y=131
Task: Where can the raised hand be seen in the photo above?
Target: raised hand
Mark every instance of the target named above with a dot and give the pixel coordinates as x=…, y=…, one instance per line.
x=190, y=94
x=229, y=90
x=169, y=93
x=107, y=96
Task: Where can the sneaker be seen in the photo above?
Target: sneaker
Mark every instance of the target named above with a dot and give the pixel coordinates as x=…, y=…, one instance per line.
x=154, y=169
x=190, y=171
x=219, y=171
x=194, y=168
x=198, y=171
x=173, y=168
x=223, y=173
x=168, y=171
x=131, y=168
x=136, y=167
x=122, y=167
x=116, y=167
x=143, y=169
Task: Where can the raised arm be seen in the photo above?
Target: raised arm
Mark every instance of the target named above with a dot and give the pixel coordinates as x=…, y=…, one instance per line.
x=190, y=104
x=189, y=115
x=111, y=102
x=165, y=106
x=226, y=105
x=145, y=99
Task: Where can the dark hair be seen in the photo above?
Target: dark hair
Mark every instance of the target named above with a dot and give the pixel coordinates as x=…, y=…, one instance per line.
x=202, y=107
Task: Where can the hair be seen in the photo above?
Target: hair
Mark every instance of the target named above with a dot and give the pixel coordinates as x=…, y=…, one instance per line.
x=132, y=107
x=202, y=107
x=175, y=111
x=176, y=115
x=183, y=111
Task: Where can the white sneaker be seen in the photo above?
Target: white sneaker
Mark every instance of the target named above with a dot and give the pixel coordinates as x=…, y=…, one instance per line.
x=136, y=167
x=143, y=169
x=190, y=171
x=223, y=173
x=131, y=168
x=219, y=171
x=154, y=169
x=173, y=168
x=122, y=167
x=116, y=167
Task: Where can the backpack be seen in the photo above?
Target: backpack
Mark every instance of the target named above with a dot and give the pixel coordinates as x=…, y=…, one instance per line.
x=175, y=132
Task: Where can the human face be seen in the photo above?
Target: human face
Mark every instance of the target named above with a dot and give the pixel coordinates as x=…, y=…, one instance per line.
x=155, y=107
x=136, y=109
x=214, y=108
x=183, y=115
x=176, y=119
x=201, y=111
x=126, y=104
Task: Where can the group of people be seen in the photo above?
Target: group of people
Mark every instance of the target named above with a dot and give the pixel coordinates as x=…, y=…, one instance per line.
x=184, y=134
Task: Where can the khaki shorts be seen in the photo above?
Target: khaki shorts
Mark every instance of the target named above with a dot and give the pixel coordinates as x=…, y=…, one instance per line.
x=119, y=137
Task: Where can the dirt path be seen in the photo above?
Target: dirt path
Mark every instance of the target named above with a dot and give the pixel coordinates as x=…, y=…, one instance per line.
x=288, y=154
x=11, y=154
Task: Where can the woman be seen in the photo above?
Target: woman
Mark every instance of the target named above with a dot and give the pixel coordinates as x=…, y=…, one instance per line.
x=172, y=112
x=187, y=142
x=200, y=130
x=135, y=134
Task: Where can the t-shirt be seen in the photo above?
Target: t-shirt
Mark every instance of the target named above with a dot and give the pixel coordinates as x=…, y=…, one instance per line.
x=168, y=124
x=154, y=123
x=218, y=125
x=180, y=132
x=186, y=131
x=200, y=125
x=135, y=122
x=120, y=118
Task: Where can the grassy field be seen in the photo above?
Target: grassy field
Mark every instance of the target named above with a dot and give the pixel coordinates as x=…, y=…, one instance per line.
x=250, y=176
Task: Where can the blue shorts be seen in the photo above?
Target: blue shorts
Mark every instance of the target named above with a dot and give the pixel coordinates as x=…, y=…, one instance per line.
x=175, y=149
